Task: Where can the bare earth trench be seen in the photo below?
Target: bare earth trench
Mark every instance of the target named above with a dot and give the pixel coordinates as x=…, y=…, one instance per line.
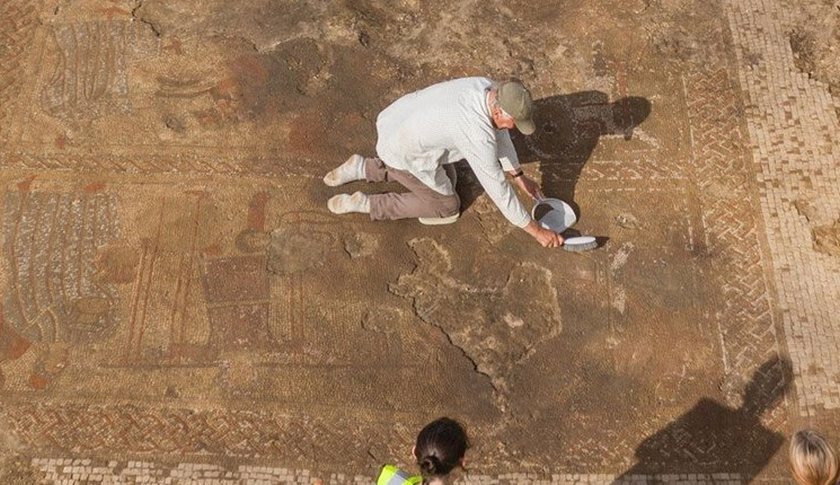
x=178, y=303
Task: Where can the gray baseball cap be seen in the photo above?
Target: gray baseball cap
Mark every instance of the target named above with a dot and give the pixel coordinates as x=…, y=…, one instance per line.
x=516, y=100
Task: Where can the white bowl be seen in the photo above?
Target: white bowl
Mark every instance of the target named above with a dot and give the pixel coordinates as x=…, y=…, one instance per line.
x=559, y=217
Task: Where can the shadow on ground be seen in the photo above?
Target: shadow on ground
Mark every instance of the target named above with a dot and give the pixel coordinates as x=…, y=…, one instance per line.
x=712, y=437
x=568, y=129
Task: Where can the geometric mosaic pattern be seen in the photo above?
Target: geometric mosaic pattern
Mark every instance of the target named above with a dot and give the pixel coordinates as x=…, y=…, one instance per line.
x=57, y=470
x=730, y=238
x=773, y=276
x=128, y=428
x=793, y=130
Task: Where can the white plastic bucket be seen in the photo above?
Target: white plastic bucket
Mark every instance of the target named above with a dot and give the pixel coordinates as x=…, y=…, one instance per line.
x=559, y=216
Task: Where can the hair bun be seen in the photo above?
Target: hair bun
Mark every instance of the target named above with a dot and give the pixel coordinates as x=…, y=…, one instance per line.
x=430, y=465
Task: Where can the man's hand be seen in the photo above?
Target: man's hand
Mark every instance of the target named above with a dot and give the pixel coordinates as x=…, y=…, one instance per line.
x=546, y=237
x=529, y=186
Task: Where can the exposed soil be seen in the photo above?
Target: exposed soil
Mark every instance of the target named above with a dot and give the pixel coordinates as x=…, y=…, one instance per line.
x=17, y=470
x=170, y=263
x=815, y=40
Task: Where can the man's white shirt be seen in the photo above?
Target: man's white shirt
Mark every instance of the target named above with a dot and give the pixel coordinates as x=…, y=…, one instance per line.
x=444, y=123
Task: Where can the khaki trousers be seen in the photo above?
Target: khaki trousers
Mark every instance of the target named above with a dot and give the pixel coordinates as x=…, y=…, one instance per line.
x=419, y=201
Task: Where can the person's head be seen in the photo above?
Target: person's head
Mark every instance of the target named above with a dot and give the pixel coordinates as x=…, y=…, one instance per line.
x=768, y=386
x=812, y=459
x=440, y=447
x=511, y=105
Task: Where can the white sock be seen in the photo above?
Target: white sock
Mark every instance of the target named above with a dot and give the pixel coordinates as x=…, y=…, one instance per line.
x=344, y=203
x=351, y=170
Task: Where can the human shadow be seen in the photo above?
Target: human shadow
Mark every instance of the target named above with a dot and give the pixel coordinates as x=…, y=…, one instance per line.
x=714, y=438
x=568, y=129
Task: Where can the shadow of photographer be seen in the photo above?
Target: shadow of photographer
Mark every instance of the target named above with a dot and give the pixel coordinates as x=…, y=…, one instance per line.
x=712, y=437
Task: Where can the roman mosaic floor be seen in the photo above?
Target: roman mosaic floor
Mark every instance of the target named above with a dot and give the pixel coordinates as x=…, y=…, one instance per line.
x=178, y=305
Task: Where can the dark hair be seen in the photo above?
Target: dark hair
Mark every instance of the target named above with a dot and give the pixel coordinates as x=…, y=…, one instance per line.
x=440, y=447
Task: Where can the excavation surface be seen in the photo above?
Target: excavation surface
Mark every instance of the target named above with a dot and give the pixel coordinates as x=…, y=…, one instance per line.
x=178, y=302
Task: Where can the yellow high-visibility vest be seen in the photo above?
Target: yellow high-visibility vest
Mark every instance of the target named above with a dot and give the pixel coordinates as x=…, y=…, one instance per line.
x=391, y=475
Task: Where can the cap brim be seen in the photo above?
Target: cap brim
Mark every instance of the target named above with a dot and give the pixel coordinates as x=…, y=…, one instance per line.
x=526, y=127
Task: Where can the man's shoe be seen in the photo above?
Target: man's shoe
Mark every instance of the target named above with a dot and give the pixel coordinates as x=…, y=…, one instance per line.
x=438, y=221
